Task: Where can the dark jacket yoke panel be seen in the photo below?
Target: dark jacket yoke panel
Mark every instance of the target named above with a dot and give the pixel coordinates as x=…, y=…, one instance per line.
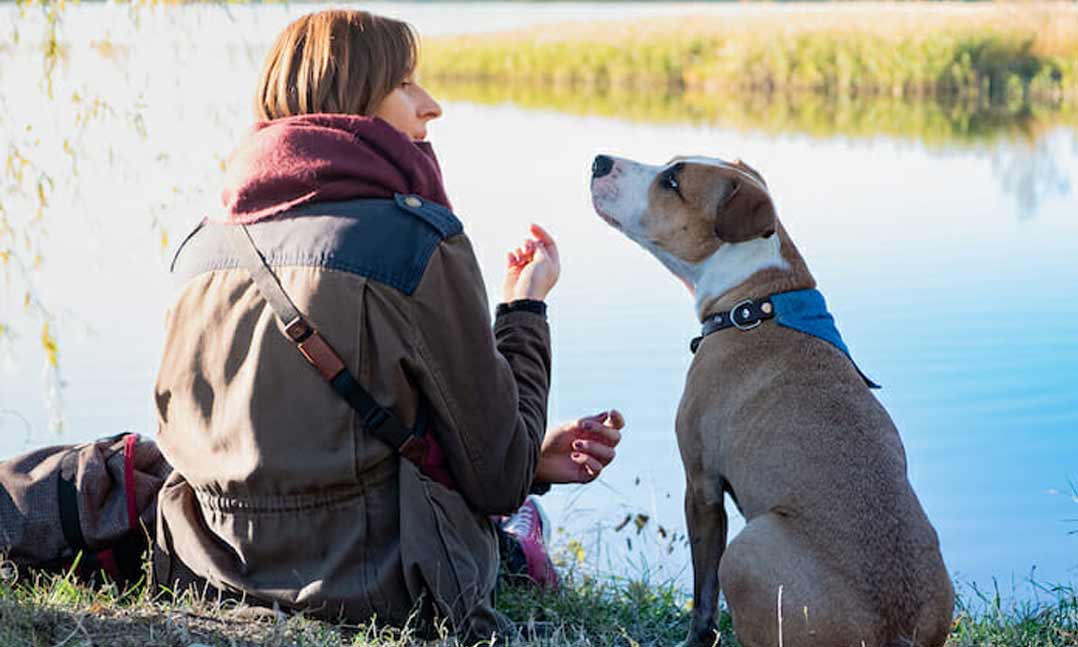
x=390, y=241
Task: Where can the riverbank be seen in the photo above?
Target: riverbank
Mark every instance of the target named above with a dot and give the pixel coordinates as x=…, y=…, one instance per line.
x=998, y=52
x=586, y=612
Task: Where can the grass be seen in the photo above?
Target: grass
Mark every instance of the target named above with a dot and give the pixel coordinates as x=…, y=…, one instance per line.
x=999, y=52
x=55, y=610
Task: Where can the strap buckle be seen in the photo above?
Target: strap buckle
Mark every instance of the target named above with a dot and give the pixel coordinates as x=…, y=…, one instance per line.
x=298, y=329
x=750, y=323
x=320, y=354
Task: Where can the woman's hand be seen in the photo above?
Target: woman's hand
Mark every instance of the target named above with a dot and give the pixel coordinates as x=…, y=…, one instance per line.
x=576, y=452
x=533, y=268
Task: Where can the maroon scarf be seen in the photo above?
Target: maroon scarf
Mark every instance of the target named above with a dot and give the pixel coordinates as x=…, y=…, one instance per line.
x=287, y=162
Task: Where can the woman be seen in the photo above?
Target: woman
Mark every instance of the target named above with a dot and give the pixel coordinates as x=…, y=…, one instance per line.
x=282, y=492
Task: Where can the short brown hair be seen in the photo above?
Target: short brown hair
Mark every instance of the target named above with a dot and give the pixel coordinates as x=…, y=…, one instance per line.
x=337, y=61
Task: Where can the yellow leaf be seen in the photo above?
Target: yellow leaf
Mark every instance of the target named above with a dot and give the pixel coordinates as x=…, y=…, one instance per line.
x=577, y=550
x=48, y=342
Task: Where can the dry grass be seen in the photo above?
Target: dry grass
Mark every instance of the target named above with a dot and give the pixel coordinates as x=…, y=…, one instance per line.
x=998, y=51
x=55, y=611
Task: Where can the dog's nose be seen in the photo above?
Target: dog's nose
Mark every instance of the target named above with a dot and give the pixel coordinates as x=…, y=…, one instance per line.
x=601, y=166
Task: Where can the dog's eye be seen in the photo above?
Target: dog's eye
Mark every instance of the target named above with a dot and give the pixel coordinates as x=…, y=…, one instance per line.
x=669, y=180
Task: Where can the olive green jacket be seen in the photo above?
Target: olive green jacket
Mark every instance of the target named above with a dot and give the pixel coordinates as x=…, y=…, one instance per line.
x=278, y=492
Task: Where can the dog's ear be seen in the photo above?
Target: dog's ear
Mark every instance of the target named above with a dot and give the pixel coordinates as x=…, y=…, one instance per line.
x=744, y=212
x=740, y=163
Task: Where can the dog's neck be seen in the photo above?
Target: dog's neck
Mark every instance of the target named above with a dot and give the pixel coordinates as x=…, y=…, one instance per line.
x=749, y=270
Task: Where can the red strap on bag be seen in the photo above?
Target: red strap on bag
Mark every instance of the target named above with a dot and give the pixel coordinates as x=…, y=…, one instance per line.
x=108, y=563
x=129, y=480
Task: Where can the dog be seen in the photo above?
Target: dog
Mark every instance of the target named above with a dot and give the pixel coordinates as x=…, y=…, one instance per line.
x=837, y=550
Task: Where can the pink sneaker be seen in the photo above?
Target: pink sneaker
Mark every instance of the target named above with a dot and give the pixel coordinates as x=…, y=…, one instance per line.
x=531, y=528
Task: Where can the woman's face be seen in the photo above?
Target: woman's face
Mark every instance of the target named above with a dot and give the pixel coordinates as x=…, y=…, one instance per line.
x=408, y=108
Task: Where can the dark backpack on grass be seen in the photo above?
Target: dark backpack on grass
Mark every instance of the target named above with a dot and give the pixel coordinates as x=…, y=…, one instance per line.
x=91, y=506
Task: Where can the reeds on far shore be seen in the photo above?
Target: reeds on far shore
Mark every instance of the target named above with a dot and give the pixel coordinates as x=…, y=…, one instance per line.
x=1003, y=52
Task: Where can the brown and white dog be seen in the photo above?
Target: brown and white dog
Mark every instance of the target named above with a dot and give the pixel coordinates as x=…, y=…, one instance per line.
x=837, y=550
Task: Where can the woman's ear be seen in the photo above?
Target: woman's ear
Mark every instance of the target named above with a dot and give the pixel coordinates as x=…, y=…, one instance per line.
x=744, y=212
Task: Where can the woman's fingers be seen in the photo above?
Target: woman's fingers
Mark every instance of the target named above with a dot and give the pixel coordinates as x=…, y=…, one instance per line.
x=600, y=452
x=591, y=466
x=603, y=433
x=596, y=418
x=542, y=236
x=547, y=241
x=616, y=420
x=525, y=253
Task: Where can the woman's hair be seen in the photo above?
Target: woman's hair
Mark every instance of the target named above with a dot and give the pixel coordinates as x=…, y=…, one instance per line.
x=337, y=61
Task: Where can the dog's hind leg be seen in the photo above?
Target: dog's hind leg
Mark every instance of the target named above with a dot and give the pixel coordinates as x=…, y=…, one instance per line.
x=706, y=519
x=780, y=593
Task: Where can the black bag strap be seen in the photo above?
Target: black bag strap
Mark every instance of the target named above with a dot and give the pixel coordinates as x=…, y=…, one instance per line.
x=378, y=420
x=70, y=521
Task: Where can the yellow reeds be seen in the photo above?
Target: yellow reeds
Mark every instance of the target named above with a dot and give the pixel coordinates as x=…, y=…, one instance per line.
x=1003, y=52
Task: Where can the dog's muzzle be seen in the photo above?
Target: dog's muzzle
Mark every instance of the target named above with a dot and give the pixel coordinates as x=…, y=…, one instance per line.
x=601, y=166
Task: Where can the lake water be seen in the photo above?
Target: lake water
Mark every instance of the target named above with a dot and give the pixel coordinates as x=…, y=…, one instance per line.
x=946, y=252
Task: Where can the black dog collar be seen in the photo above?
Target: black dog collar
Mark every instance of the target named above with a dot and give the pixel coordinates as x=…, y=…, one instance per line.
x=744, y=316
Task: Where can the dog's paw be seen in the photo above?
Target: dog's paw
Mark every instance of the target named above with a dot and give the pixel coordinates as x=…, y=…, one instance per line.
x=714, y=641
x=702, y=637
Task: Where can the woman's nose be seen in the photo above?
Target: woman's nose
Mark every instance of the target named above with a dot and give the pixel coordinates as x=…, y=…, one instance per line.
x=429, y=108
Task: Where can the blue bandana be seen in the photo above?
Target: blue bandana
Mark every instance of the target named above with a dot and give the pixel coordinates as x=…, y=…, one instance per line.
x=806, y=311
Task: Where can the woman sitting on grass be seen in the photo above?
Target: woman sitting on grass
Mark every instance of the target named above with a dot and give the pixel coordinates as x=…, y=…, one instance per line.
x=282, y=492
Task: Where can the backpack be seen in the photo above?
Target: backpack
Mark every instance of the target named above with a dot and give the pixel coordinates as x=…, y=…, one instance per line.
x=89, y=508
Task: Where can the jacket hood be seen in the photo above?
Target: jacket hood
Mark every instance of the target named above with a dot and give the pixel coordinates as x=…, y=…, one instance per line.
x=283, y=163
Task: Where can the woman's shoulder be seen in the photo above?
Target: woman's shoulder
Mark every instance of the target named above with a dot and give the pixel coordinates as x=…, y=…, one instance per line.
x=388, y=240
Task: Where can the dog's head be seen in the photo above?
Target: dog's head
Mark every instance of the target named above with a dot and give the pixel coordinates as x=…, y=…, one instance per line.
x=686, y=210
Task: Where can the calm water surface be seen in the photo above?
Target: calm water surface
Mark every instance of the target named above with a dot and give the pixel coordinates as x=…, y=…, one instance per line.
x=949, y=267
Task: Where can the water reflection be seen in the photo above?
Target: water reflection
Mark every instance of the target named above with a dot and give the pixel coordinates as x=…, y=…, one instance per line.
x=1024, y=159
x=1031, y=173
x=933, y=122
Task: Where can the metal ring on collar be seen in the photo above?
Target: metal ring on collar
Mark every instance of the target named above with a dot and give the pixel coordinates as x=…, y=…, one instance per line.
x=733, y=316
